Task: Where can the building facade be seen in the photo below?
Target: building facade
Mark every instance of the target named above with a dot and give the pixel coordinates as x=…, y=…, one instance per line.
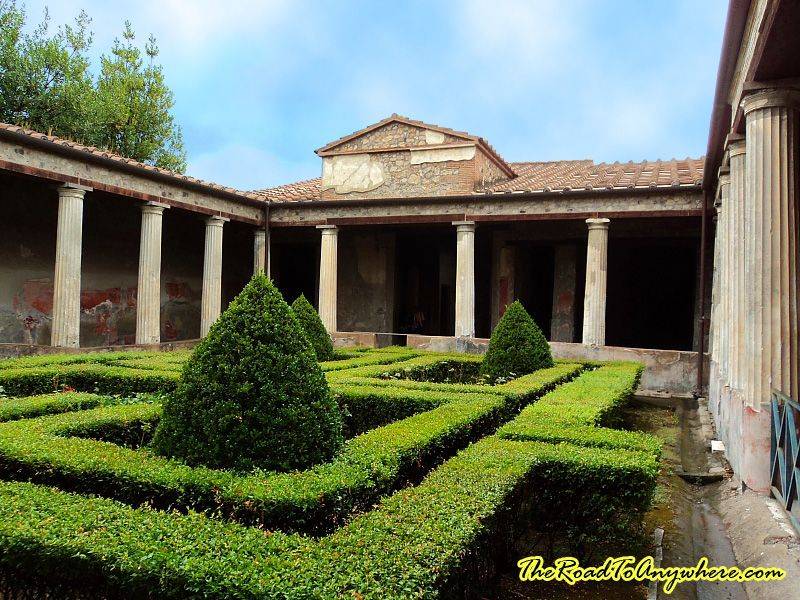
x=751, y=182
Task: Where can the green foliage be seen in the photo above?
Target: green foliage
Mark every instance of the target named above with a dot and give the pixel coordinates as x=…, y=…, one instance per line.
x=50, y=404
x=566, y=480
x=252, y=393
x=517, y=346
x=577, y=411
x=86, y=377
x=312, y=327
x=368, y=465
x=416, y=543
x=46, y=84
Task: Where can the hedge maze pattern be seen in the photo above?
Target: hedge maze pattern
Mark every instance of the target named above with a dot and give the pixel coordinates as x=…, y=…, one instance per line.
x=436, y=468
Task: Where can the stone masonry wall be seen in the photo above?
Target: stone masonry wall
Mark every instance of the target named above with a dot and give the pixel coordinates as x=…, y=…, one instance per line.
x=397, y=135
x=399, y=160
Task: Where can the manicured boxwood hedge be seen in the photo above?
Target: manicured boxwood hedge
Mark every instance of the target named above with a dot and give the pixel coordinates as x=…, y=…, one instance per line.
x=420, y=542
x=26, y=407
x=369, y=464
x=560, y=474
x=86, y=377
x=575, y=412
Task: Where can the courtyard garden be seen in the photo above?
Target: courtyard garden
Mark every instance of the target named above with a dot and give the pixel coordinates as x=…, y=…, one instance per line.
x=266, y=464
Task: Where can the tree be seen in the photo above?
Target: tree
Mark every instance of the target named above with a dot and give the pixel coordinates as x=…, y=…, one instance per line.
x=46, y=84
x=517, y=346
x=313, y=328
x=252, y=394
x=134, y=106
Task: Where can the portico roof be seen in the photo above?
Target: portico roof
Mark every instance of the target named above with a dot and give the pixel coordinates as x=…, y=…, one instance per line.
x=555, y=176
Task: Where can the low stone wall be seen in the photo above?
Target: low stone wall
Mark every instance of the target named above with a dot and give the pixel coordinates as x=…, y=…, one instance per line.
x=15, y=350
x=670, y=371
x=667, y=371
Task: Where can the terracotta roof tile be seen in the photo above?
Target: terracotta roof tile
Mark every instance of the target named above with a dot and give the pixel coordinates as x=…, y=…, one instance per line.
x=302, y=190
x=571, y=175
x=555, y=176
x=105, y=154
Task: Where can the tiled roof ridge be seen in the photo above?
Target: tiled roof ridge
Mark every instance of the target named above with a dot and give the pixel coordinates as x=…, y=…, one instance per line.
x=113, y=156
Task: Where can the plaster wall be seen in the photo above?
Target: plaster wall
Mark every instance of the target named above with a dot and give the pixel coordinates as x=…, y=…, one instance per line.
x=366, y=281
x=109, y=269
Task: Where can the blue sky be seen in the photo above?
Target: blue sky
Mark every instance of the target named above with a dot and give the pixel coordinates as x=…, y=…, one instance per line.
x=260, y=84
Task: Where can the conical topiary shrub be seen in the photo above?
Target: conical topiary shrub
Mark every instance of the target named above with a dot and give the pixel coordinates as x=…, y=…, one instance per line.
x=252, y=394
x=517, y=346
x=312, y=326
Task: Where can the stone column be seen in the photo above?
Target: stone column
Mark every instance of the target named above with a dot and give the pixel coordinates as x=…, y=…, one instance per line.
x=594, y=302
x=771, y=262
x=259, y=251
x=328, y=272
x=211, y=302
x=713, y=342
x=465, y=279
x=148, y=292
x=724, y=293
x=67, y=277
x=563, y=322
x=738, y=296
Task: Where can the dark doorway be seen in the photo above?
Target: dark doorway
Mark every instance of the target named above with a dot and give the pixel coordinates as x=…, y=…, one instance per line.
x=425, y=282
x=295, y=269
x=534, y=282
x=651, y=291
x=237, y=259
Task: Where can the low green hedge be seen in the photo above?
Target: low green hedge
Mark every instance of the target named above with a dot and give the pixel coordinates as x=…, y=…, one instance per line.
x=374, y=357
x=86, y=377
x=365, y=406
x=26, y=407
x=420, y=542
x=370, y=464
x=577, y=411
x=441, y=369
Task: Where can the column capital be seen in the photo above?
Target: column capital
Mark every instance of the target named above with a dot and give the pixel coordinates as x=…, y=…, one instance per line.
x=464, y=225
x=770, y=98
x=216, y=220
x=153, y=208
x=72, y=191
x=736, y=147
x=329, y=229
x=598, y=223
x=260, y=233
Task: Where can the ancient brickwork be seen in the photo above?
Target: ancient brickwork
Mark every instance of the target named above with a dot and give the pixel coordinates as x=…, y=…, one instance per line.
x=487, y=171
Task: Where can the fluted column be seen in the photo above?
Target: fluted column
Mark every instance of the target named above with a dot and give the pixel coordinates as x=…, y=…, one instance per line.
x=738, y=294
x=594, y=303
x=724, y=225
x=328, y=275
x=148, y=292
x=771, y=328
x=67, y=277
x=211, y=302
x=259, y=251
x=465, y=279
x=713, y=371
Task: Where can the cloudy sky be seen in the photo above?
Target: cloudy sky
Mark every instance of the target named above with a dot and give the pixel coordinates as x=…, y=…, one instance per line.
x=259, y=84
